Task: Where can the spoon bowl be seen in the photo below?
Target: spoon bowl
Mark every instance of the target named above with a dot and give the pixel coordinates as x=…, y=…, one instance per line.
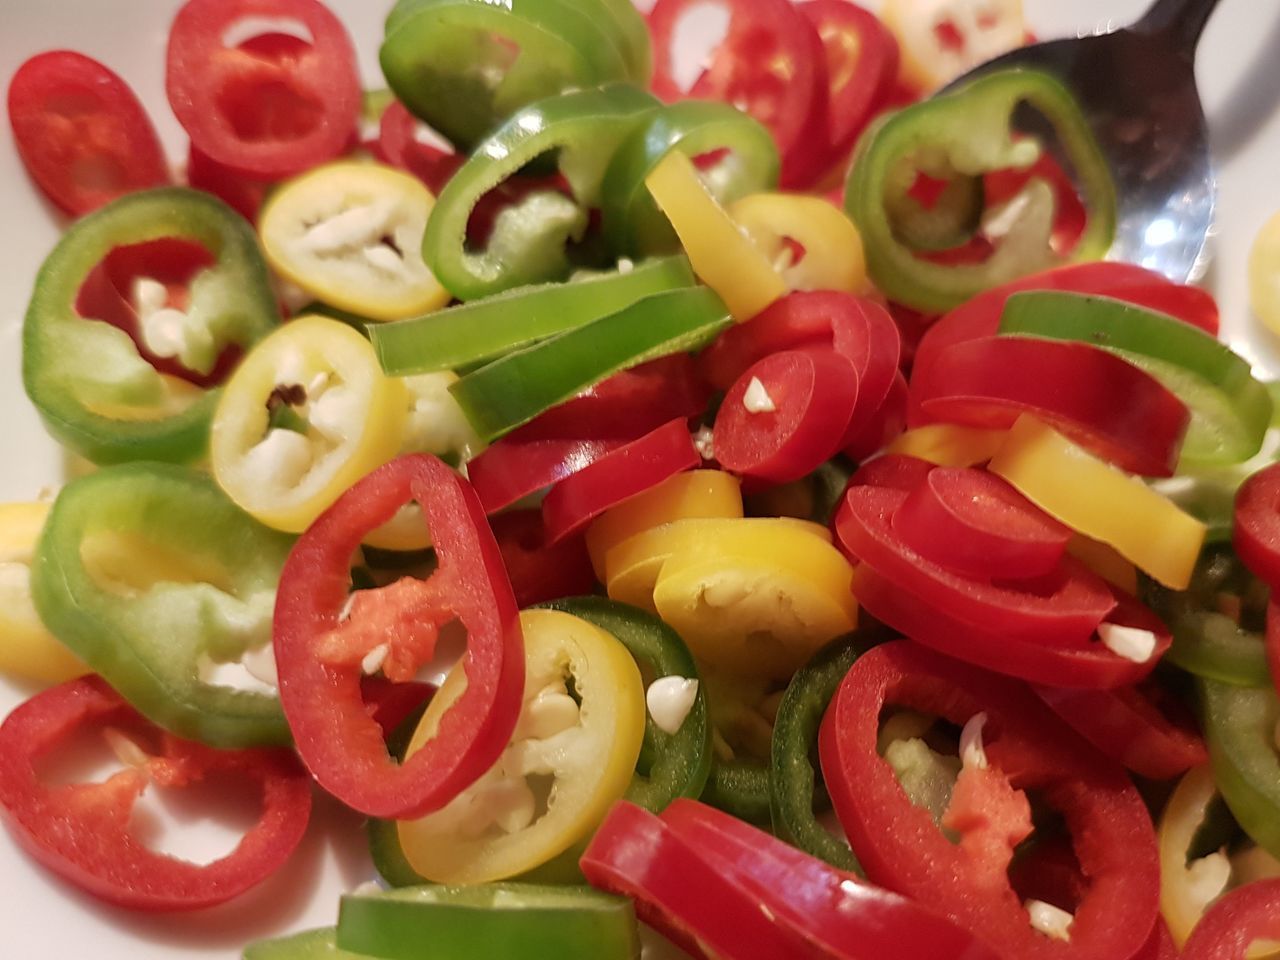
x=1137, y=88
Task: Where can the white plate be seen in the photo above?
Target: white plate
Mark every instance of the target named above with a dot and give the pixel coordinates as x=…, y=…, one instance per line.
x=38, y=916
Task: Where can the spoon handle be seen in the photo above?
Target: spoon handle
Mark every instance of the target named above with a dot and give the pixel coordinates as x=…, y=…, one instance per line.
x=1182, y=20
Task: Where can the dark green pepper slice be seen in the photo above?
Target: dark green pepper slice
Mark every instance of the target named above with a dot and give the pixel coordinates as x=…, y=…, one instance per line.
x=1240, y=728
x=153, y=577
x=961, y=136
x=740, y=787
x=96, y=393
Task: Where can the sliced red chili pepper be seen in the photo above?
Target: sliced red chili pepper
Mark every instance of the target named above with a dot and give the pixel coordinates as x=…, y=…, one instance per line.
x=82, y=134
x=512, y=469
x=771, y=64
x=1245, y=915
x=894, y=470
x=884, y=425
x=82, y=832
x=262, y=115
x=1027, y=748
x=617, y=476
x=1160, y=946
x=323, y=634
x=391, y=704
x=1143, y=727
x=1100, y=400
x=1255, y=532
x=539, y=570
x=399, y=146
x=973, y=522
x=242, y=194
x=1070, y=215
x=786, y=415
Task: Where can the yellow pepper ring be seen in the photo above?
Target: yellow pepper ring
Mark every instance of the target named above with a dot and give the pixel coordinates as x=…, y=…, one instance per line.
x=1101, y=502
x=833, y=256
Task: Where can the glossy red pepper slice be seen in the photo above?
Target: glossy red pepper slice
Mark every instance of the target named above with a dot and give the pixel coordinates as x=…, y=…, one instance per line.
x=541, y=571
x=617, y=476
x=973, y=522
x=82, y=831
x=398, y=145
x=322, y=634
x=884, y=426
x=897, y=471
x=82, y=134
x=512, y=469
x=264, y=113
x=1027, y=748
x=1255, y=532
x=812, y=394
x=1246, y=914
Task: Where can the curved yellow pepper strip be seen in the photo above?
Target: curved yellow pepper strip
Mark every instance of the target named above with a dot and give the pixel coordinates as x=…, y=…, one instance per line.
x=833, y=256
x=949, y=445
x=27, y=649
x=1101, y=502
x=723, y=257
x=1105, y=562
x=697, y=493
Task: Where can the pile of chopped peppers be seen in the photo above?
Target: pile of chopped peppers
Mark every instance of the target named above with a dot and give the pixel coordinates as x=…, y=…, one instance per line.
x=752, y=509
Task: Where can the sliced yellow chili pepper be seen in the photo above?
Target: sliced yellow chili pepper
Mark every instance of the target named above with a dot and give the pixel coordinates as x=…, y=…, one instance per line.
x=697, y=493
x=948, y=444
x=1101, y=502
x=722, y=255
x=307, y=414
x=27, y=649
x=1264, y=274
x=1105, y=562
x=831, y=256
x=350, y=234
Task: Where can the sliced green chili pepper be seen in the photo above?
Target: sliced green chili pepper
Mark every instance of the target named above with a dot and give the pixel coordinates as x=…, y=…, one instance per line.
x=1240, y=728
x=1230, y=409
x=671, y=765
x=465, y=66
x=1218, y=621
x=309, y=945
x=154, y=602
x=793, y=775
x=633, y=223
x=962, y=136
x=484, y=329
x=509, y=920
x=740, y=787
x=511, y=391
x=96, y=393
x=528, y=243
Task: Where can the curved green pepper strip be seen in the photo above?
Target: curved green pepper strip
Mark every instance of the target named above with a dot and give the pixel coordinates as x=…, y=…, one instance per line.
x=1230, y=409
x=509, y=920
x=484, y=329
x=319, y=944
x=152, y=601
x=465, y=66
x=504, y=394
x=1209, y=643
x=793, y=775
x=633, y=33
x=740, y=787
x=633, y=224
x=95, y=392
x=528, y=241
x=966, y=134
x=677, y=764
x=1240, y=729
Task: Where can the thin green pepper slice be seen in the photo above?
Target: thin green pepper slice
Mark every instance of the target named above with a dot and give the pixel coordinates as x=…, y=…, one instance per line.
x=95, y=392
x=740, y=787
x=153, y=601
x=671, y=765
x=793, y=775
x=508, y=920
x=485, y=329
x=528, y=243
x=1230, y=408
x=633, y=223
x=309, y=945
x=1240, y=729
x=961, y=136
x=504, y=394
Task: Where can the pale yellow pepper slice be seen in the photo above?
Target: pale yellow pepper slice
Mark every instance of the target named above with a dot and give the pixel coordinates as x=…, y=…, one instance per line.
x=1101, y=502
x=696, y=493
x=833, y=256
x=1106, y=562
x=28, y=650
x=949, y=444
x=722, y=255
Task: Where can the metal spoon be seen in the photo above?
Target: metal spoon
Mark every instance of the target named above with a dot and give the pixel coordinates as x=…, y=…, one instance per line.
x=1137, y=87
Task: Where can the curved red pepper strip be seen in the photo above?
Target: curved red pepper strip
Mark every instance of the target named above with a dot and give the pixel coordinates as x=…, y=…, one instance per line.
x=541, y=571
x=1255, y=532
x=81, y=831
x=896, y=471
x=512, y=469
x=319, y=647
x=1246, y=914
x=1030, y=749
x=884, y=426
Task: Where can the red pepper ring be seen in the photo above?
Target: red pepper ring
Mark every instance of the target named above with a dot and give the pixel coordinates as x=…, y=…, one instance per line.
x=313, y=96
x=1029, y=748
x=975, y=523
x=882, y=427
x=320, y=648
x=1255, y=531
x=512, y=469
x=786, y=415
x=896, y=471
x=81, y=831
x=1245, y=915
